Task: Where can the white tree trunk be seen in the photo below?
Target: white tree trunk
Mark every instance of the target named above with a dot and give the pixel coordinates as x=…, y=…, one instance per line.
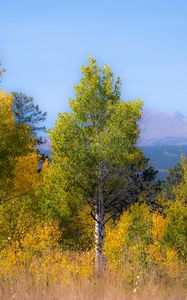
x=99, y=227
x=99, y=240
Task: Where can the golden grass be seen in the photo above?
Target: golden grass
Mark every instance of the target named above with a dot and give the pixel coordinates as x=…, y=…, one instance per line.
x=107, y=287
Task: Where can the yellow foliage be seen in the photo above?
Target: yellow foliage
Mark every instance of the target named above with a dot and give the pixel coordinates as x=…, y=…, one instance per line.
x=22, y=192
x=27, y=176
x=138, y=243
x=42, y=238
x=159, y=227
x=6, y=114
x=155, y=253
x=38, y=242
x=172, y=265
x=116, y=238
x=39, y=256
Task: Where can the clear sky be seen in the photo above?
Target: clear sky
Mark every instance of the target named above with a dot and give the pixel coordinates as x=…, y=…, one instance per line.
x=44, y=43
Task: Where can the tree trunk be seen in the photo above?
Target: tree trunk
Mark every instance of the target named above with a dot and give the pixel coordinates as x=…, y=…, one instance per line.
x=99, y=227
x=99, y=240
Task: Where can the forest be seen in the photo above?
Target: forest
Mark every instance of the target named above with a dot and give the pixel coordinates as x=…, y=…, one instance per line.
x=92, y=220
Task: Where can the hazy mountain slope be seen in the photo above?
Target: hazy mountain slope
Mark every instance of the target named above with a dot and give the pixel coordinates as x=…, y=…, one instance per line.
x=159, y=128
x=161, y=138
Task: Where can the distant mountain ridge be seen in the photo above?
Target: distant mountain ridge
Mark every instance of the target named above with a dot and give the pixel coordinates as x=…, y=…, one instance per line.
x=163, y=139
x=158, y=128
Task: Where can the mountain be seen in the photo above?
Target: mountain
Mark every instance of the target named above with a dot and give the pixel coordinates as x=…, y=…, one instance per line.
x=163, y=139
x=158, y=128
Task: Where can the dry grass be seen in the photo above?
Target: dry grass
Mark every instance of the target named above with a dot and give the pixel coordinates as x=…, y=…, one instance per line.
x=105, y=288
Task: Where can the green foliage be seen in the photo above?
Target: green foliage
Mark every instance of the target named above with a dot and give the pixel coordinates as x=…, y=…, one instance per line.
x=141, y=184
x=98, y=136
x=143, y=241
x=173, y=179
x=132, y=234
x=180, y=190
x=26, y=112
x=140, y=227
x=73, y=217
x=176, y=233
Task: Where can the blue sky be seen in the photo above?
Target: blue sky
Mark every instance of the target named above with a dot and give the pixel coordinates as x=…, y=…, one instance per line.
x=44, y=43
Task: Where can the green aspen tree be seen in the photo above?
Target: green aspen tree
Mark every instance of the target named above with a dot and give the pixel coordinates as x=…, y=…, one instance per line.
x=94, y=145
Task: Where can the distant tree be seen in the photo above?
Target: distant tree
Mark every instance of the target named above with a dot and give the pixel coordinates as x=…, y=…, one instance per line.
x=180, y=190
x=141, y=185
x=173, y=179
x=26, y=112
x=2, y=70
x=15, y=138
x=95, y=144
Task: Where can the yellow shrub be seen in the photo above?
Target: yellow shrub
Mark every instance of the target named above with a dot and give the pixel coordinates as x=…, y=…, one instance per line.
x=140, y=243
x=38, y=257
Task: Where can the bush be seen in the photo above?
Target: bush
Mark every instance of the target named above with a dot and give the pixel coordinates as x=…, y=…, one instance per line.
x=144, y=242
